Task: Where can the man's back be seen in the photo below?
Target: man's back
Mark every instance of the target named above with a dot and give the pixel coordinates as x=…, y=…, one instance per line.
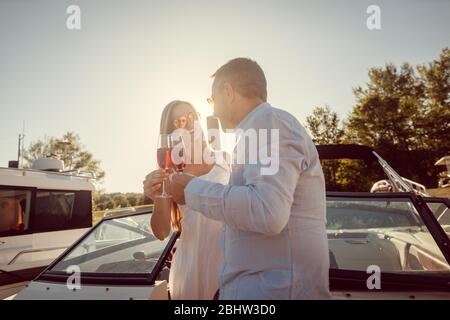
x=285, y=255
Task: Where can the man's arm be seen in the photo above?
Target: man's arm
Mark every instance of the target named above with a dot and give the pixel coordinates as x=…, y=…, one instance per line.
x=263, y=203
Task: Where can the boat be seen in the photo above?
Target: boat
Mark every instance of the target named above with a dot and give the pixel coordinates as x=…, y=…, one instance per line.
x=399, y=237
x=43, y=210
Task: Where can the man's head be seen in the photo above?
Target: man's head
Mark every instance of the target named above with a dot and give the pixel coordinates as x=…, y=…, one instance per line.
x=239, y=86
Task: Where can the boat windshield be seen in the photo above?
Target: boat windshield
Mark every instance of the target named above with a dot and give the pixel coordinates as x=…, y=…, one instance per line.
x=124, y=245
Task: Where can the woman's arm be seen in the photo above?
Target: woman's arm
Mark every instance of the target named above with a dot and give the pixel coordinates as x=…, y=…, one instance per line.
x=160, y=219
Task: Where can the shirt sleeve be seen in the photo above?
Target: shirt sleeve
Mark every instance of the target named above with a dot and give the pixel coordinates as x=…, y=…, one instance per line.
x=262, y=203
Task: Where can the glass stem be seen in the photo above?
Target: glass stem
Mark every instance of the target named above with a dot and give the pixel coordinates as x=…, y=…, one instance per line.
x=163, y=193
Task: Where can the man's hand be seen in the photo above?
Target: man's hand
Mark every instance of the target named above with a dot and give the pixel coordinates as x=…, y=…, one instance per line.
x=176, y=184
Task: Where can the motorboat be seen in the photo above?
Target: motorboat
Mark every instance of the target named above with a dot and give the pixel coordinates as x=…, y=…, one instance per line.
x=43, y=210
x=401, y=234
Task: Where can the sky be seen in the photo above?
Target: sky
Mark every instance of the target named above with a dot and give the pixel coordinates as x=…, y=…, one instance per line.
x=110, y=80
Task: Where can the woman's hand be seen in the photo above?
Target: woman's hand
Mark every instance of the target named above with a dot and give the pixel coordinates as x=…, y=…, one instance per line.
x=153, y=183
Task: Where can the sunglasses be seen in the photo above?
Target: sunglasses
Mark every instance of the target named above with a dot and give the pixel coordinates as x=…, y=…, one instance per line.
x=182, y=121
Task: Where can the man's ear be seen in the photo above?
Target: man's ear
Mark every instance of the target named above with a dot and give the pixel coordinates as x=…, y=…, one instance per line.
x=229, y=92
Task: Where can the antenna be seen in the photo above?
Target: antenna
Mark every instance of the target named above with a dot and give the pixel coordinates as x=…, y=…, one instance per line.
x=20, y=147
x=66, y=142
x=23, y=141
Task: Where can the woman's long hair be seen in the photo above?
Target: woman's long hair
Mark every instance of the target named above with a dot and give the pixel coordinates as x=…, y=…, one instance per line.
x=167, y=126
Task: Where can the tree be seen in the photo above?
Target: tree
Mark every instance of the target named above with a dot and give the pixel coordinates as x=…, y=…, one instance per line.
x=103, y=201
x=435, y=114
x=325, y=126
x=404, y=114
x=385, y=111
x=120, y=200
x=132, y=199
x=69, y=149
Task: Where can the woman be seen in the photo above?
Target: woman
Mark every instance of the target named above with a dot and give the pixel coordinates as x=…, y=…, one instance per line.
x=196, y=262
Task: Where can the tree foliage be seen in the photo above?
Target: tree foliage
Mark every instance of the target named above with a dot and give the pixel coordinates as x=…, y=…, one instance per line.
x=74, y=155
x=325, y=126
x=103, y=201
x=403, y=113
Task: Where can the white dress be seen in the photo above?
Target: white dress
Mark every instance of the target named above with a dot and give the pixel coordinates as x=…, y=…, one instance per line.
x=198, y=257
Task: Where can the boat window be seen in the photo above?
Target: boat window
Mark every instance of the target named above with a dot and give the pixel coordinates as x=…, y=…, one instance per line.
x=57, y=210
x=388, y=233
x=14, y=210
x=119, y=245
x=441, y=212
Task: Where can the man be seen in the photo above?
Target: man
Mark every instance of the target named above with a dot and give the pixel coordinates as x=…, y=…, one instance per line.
x=274, y=239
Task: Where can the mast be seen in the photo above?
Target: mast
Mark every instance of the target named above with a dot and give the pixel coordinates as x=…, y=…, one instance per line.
x=20, y=147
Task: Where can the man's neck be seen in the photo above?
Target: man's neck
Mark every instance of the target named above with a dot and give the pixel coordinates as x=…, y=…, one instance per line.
x=246, y=107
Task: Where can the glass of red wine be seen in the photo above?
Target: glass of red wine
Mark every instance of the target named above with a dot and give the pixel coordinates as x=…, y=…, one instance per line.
x=164, y=157
x=179, y=154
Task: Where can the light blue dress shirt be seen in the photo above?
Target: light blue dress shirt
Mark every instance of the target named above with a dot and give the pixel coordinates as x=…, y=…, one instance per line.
x=274, y=238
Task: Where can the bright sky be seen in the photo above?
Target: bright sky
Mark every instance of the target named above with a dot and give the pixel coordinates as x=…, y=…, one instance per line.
x=109, y=81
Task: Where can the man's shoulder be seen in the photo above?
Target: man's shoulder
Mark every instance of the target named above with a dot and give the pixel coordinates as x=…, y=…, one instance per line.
x=274, y=117
x=285, y=116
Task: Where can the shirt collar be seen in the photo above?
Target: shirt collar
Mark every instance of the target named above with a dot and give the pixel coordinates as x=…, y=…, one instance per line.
x=249, y=115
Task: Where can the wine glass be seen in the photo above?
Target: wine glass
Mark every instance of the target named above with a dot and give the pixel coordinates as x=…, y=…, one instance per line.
x=178, y=153
x=164, y=157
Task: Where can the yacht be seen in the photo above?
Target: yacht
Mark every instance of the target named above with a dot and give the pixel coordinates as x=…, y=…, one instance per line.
x=43, y=210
